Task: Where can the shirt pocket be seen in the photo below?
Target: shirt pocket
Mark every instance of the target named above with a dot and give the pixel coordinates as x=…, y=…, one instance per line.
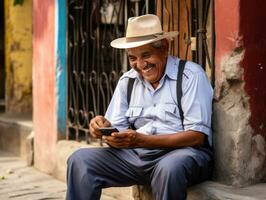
x=170, y=113
x=134, y=112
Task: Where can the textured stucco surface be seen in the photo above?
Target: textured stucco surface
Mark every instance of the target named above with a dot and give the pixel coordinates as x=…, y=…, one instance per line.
x=44, y=78
x=240, y=155
x=18, y=45
x=239, y=106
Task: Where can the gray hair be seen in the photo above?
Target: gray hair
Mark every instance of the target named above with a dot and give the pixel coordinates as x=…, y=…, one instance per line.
x=160, y=45
x=157, y=44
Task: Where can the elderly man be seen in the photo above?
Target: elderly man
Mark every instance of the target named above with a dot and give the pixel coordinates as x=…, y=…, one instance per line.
x=168, y=143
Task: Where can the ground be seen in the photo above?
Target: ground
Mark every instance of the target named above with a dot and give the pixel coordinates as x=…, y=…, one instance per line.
x=20, y=182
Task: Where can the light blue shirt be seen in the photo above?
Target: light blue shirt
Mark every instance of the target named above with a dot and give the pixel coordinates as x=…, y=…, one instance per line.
x=155, y=111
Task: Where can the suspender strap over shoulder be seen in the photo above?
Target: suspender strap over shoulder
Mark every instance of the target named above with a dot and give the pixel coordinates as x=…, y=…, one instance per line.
x=129, y=92
x=129, y=89
x=179, y=92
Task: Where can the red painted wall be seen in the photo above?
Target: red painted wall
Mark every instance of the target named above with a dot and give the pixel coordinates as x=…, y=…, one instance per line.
x=226, y=31
x=44, y=113
x=253, y=29
x=243, y=23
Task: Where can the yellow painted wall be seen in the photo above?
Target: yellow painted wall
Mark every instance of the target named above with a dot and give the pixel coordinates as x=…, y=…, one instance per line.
x=18, y=61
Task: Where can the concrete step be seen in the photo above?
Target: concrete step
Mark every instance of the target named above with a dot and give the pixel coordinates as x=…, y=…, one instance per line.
x=217, y=191
x=2, y=105
x=2, y=102
x=14, y=130
x=210, y=190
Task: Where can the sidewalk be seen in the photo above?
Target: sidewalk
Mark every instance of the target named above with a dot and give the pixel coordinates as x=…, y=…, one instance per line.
x=19, y=182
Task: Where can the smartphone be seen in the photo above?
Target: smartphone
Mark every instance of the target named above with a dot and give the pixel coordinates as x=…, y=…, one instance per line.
x=108, y=130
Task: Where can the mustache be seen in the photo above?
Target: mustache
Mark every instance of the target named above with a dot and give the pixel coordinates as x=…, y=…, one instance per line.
x=149, y=65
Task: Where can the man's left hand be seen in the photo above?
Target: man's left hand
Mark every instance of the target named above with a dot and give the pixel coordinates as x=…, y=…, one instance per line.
x=123, y=139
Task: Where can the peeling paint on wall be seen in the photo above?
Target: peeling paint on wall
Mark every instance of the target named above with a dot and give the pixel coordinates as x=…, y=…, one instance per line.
x=61, y=65
x=240, y=107
x=240, y=155
x=44, y=82
x=18, y=23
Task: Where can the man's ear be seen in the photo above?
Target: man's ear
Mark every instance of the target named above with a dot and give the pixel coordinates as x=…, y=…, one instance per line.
x=165, y=46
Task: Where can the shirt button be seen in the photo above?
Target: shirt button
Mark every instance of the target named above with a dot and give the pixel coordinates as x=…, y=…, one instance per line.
x=153, y=130
x=154, y=105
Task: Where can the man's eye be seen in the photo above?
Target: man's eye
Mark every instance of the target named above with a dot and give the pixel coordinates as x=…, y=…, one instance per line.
x=146, y=55
x=131, y=58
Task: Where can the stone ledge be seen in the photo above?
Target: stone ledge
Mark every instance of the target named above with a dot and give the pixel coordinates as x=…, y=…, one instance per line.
x=212, y=191
x=17, y=119
x=216, y=191
x=14, y=130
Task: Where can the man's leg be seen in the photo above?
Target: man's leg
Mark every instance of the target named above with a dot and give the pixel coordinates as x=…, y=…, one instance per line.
x=177, y=170
x=91, y=169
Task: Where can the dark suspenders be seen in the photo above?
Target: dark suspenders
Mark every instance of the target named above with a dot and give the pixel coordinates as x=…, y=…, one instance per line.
x=129, y=89
x=179, y=93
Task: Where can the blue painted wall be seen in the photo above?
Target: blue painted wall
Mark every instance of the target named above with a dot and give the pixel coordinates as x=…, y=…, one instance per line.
x=61, y=63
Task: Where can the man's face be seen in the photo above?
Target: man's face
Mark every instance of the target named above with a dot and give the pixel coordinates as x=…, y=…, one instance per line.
x=149, y=62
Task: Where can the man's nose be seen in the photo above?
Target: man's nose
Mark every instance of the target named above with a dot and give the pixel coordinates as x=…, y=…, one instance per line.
x=141, y=63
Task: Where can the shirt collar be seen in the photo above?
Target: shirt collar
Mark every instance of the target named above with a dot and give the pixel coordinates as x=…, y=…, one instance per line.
x=132, y=73
x=171, y=67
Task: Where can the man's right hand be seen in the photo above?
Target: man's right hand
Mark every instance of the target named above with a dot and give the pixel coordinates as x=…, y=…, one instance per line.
x=96, y=123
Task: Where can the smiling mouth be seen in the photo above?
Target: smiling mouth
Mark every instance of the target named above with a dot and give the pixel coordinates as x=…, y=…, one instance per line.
x=147, y=68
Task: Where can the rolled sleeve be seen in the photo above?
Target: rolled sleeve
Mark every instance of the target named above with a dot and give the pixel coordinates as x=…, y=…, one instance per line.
x=197, y=103
x=118, y=106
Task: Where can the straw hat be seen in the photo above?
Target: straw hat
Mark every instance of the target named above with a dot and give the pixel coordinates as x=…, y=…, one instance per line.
x=142, y=30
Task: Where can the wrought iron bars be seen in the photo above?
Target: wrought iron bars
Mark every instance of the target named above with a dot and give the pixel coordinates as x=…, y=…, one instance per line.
x=94, y=67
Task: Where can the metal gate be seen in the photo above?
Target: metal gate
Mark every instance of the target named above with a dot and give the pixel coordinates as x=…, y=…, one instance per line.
x=94, y=67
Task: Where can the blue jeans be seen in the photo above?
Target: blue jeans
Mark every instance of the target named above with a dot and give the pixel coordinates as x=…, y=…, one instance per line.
x=168, y=172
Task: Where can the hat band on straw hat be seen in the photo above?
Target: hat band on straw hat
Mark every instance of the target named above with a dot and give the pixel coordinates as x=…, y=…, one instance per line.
x=141, y=38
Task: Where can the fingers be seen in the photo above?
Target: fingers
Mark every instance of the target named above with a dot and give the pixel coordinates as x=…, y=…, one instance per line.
x=99, y=121
x=106, y=123
x=116, y=142
x=125, y=139
x=96, y=123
